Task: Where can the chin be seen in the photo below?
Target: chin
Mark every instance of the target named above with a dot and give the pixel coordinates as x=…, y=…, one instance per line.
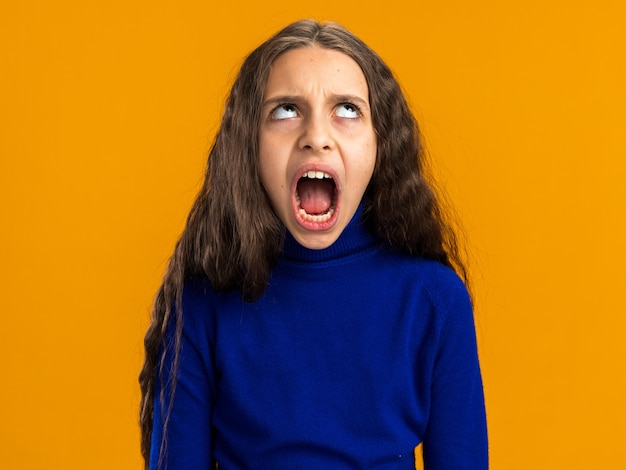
x=315, y=240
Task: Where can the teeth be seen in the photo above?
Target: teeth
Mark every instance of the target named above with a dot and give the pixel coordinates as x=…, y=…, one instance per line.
x=312, y=174
x=317, y=218
x=320, y=175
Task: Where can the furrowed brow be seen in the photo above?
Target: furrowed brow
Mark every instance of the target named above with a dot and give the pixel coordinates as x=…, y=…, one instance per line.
x=355, y=99
x=277, y=100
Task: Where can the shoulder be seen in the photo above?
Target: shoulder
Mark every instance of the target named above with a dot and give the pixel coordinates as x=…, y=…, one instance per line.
x=197, y=292
x=201, y=304
x=439, y=280
x=450, y=302
x=443, y=285
x=438, y=284
x=198, y=305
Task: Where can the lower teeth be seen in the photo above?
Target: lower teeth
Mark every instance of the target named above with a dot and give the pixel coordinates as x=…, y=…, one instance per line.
x=316, y=218
x=312, y=217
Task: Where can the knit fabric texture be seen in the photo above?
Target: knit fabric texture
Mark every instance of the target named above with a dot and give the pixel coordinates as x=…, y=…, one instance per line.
x=353, y=356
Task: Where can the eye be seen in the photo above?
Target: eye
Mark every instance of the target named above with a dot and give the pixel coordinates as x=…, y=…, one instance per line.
x=284, y=111
x=348, y=111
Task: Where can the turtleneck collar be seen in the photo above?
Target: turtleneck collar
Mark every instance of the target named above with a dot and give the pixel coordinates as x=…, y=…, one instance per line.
x=355, y=238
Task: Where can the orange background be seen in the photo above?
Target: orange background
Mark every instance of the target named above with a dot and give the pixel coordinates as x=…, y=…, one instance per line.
x=107, y=110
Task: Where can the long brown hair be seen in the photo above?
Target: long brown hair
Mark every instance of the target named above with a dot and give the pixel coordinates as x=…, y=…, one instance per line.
x=233, y=237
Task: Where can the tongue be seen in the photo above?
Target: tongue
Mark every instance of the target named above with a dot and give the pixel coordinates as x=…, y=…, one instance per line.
x=316, y=196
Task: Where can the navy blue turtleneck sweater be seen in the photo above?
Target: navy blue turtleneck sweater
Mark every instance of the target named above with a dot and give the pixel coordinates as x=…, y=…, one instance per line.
x=354, y=355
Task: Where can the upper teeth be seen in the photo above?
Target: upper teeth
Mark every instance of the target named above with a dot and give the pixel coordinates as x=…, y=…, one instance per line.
x=312, y=174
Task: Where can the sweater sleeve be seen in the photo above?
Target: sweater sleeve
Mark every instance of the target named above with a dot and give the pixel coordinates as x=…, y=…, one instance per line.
x=187, y=443
x=456, y=434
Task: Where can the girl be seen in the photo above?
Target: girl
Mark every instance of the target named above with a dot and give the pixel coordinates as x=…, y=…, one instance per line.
x=312, y=315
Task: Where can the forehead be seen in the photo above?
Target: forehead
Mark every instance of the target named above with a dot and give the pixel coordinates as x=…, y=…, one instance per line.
x=308, y=69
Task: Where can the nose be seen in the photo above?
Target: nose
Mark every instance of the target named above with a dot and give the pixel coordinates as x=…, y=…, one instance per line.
x=316, y=134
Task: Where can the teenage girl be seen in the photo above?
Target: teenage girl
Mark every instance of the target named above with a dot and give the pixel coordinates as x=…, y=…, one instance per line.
x=313, y=314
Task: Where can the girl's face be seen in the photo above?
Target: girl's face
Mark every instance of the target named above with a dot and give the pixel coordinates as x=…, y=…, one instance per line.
x=317, y=145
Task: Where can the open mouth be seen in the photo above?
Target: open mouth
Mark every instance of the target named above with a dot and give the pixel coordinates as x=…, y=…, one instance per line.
x=316, y=196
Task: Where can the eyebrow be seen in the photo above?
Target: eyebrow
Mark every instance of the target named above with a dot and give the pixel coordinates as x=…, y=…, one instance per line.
x=297, y=99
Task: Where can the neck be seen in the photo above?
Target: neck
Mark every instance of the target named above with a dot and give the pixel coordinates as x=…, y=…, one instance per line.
x=356, y=237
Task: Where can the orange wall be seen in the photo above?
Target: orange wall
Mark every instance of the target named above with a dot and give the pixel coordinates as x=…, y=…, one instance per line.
x=106, y=114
